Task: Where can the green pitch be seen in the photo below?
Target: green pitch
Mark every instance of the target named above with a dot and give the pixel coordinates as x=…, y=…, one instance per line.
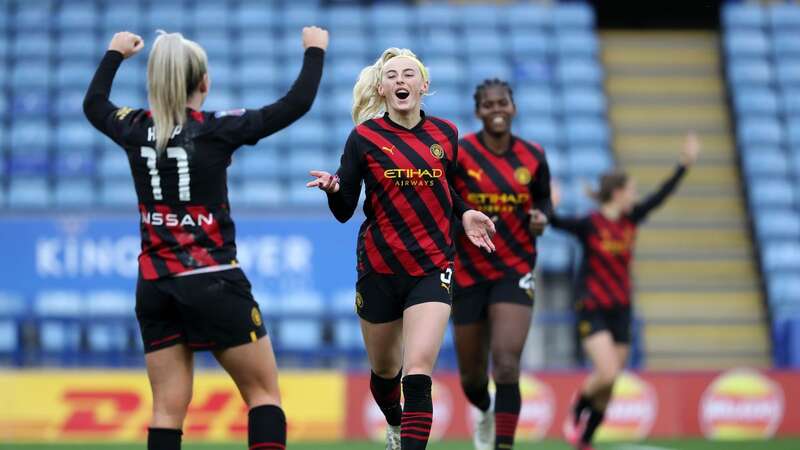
x=778, y=444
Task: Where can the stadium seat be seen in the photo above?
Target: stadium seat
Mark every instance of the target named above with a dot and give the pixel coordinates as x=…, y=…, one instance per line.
x=255, y=73
x=481, y=43
x=167, y=16
x=345, y=18
x=77, y=16
x=254, y=194
x=392, y=38
x=488, y=67
x=526, y=16
x=386, y=16
x=113, y=166
x=542, y=130
x=765, y=162
x=29, y=135
x=109, y=316
x=589, y=162
x=753, y=132
x=529, y=43
x=74, y=74
x=438, y=44
x=350, y=44
x=536, y=100
x=576, y=43
x=33, y=16
x=771, y=192
x=118, y=194
x=583, y=101
x=781, y=256
x=786, y=44
x=751, y=43
x=579, y=70
x=793, y=131
x=124, y=15
x=788, y=72
x=130, y=76
x=30, y=75
x=301, y=196
x=784, y=15
x=573, y=15
x=59, y=313
x=30, y=163
x=71, y=193
x=742, y=72
x=435, y=15
x=755, y=101
x=79, y=47
x=743, y=15
x=296, y=16
x=260, y=163
x=299, y=335
x=554, y=254
x=589, y=131
x=771, y=224
x=477, y=17
x=256, y=44
x=446, y=72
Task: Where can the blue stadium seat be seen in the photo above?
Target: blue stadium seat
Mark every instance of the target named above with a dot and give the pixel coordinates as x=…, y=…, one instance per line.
x=29, y=193
x=446, y=103
x=30, y=75
x=74, y=164
x=743, y=15
x=130, y=76
x=435, y=15
x=480, y=69
x=786, y=43
x=529, y=43
x=777, y=192
x=749, y=72
x=32, y=45
x=30, y=104
x=554, y=254
x=251, y=14
x=33, y=15
x=76, y=136
x=388, y=17
x=764, y=131
x=345, y=18
x=300, y=195
x=577, y=43
x=124, y=16
x=110, y=315
x=254, y=194
x=4, y=109
x=573, y=15
x=536, y=100
x=132, y=98
x=392, y=38
x=527, y=16
x=216, y=44
x=59, y=313
x=477, y=17
x=79, y=47
x=755, y=101
x=751, y=43
x=259, y=163
x=74, y=193
x=299, y=335
x=540, y=129
x=784, y=15
x=587, y=131
x=118, y=194
x=256, y=44
x=783, y=288
x=222, y=99
x=579, y=70
x=28, y=163
x=788, y=72
x=114, y=166
x=77, y=16
x=781, y=256
x=793, y=131
x=74, y=74
x=29, y=135
x=296, y=16
x=765, y=162
x=349, y=44
x=257, y=73
x=167, y=16
x=589, y=162
x=308, y=134
x=446, y=72
x=557, y=162
x=219, y=16
x=485, y=43
x=345, y=71
x=439, y=44
x=771, y=224
x=583, y=101
x=299, y=161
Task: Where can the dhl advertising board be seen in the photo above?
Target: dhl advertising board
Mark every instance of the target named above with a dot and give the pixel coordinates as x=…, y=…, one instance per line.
x=328, y=406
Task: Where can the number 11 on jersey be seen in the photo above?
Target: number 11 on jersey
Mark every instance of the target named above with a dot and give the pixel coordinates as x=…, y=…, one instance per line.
x=178, y=154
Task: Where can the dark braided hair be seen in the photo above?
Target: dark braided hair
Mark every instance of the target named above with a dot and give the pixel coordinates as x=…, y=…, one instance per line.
x=487, y=83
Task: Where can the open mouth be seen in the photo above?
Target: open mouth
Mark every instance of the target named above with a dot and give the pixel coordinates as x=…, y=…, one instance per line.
x=402, y=94
x=499, y=120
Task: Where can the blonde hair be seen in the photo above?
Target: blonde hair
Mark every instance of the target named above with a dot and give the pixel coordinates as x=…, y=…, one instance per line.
x=367, y=104
x=174, y=69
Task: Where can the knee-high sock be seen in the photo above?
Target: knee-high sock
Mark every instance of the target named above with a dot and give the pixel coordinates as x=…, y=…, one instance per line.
x=266, y=428
x=583, y=403
x=386, y=393
x=478, y=395
x=163, y=439
x=595, y=419
x=417, y=412
x=507, y=403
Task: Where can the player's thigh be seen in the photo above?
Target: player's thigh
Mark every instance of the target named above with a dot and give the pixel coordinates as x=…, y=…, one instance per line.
x=253, y=369
x=600, y=348
x=623, y=352
x=380, y=309
x=219, y=310
x=510, y=313
x=471, y=331
x=384, y=345
x=170, y=372
x=424, y=325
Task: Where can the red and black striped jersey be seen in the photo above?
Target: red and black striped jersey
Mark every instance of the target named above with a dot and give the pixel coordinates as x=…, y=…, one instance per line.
x=605, y=280
x=505, y=187
x=185, y=219
x=409, y=197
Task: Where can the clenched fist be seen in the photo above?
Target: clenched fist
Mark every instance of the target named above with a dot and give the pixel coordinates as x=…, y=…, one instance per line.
x=126, y=43
x=315, y=37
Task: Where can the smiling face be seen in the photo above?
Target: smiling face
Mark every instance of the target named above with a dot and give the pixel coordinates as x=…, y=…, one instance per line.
x=402, y=85
x=496, y=110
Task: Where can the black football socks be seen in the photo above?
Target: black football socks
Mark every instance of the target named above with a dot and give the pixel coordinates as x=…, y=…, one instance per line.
x=266, y=428
x=417, y=412
x=163, y=439
x=507, y=404
x=386, y=393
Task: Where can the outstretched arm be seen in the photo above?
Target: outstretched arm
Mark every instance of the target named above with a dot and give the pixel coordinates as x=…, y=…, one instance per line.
x=96, y=105
x=688, y=157
x=344, y=187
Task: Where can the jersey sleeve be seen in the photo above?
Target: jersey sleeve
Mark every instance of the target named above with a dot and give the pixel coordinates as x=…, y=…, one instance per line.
x=577, y=226
x=646, y=206
x=343, y=203
x=539, y=188
x=453, y=167
x=111, y=120
x=240, y=127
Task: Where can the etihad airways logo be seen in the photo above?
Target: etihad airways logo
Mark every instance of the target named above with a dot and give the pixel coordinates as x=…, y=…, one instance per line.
x=413, y=177
x=174, y=220
x=493, y=203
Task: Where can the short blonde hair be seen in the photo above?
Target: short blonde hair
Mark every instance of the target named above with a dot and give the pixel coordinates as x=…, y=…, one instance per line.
x=367, y=104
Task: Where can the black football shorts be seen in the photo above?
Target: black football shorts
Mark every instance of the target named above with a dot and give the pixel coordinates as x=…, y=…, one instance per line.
x=471, y=304
x=206, y=311
x=616, y=321
x=383, y=298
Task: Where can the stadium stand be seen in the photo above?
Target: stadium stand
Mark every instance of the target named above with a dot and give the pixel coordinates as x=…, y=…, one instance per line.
x=762, y=51
x=52, y=160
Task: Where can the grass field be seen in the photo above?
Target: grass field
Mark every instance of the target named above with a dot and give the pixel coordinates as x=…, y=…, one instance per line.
x=779, y=444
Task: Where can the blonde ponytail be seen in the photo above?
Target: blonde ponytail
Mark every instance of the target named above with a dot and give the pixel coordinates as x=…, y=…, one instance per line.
x=175, y=68
x=367, y=104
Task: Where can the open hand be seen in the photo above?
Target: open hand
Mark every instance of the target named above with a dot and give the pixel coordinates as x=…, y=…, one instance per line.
x=126, y=43
x=479, y=229
x=324, y=180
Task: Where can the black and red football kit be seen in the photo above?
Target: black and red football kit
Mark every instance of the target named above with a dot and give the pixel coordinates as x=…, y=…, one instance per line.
x=505, y=187
x=405, y=250
x=603, y=298
x=185, y=222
